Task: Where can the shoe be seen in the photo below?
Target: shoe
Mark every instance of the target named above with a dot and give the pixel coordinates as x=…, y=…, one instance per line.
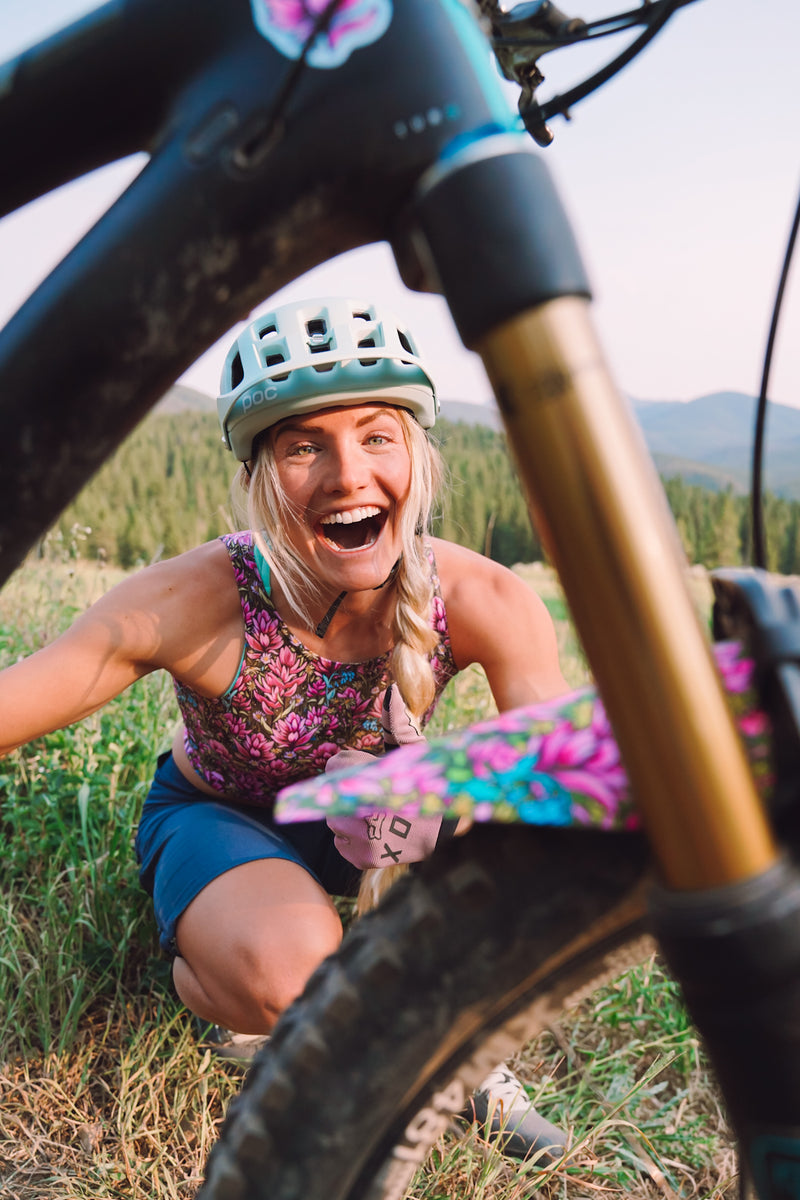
x=501, y=1104
x=240, y=1047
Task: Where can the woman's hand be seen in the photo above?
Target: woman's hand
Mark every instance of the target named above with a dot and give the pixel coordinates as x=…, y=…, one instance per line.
x=384, y=839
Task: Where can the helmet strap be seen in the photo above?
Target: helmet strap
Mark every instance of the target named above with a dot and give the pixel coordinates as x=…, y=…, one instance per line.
x=322, y=628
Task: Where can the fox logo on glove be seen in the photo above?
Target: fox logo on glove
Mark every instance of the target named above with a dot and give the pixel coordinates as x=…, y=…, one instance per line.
x=382, y=839
x=398, y=826
x=374, y=825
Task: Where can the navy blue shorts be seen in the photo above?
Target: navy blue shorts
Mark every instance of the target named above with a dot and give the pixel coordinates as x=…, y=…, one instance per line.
x=185, y=839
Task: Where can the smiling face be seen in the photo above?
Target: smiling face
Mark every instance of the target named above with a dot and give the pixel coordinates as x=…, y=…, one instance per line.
x=345, y=473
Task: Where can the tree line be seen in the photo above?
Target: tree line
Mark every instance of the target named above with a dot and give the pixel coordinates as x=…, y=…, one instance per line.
x=167, y=489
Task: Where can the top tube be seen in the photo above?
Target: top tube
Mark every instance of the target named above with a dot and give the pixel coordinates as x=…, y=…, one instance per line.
x=230, y=207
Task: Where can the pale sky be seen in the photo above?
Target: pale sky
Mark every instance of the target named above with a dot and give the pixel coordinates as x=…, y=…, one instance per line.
x=681, y=177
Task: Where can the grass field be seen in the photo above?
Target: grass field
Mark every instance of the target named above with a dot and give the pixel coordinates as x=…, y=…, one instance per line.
x=104, y=1093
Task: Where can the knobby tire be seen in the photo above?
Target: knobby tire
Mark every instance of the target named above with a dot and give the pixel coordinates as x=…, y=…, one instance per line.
x=465, y=960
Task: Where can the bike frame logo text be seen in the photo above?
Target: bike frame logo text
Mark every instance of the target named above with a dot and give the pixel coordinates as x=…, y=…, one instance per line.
x=288, y=24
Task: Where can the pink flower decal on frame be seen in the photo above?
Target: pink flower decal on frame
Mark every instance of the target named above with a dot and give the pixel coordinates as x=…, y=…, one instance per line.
x=288, y=24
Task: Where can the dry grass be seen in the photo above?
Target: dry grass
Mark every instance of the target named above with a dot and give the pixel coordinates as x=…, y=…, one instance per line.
x=625, y=1075
x=131, y=1110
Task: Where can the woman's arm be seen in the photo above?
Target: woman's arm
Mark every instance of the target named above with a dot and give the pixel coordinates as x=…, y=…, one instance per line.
x=180, y=615
x=499, y=622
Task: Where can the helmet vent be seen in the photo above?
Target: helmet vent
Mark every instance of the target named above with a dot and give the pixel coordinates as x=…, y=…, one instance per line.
x=362, y=316
x=365, y=343
x=237, y=372
x=319, y=339
x=267, y=331
x=272, y=361
x=404, y=342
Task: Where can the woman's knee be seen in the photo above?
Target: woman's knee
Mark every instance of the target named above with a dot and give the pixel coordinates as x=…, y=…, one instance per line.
x=275, y=972
x=257, y=974
x=253, y=936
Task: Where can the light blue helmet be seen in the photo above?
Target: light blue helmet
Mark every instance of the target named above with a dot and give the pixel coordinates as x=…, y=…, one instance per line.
x=316, y=354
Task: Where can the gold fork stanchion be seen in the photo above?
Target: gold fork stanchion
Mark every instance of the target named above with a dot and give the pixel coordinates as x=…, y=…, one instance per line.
x=600, y=509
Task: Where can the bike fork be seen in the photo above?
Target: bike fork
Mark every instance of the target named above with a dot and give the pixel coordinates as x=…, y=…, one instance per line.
x=728, y=908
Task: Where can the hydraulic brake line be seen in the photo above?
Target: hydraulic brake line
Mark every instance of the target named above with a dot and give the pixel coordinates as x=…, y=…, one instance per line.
x=756, y=497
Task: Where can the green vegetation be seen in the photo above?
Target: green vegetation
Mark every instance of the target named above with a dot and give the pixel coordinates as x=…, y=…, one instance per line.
x=715, y=527
x=105, y=1093
x=167, y=490
x=164, y=491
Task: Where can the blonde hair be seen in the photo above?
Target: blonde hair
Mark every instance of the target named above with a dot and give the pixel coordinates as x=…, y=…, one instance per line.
x=270, y=512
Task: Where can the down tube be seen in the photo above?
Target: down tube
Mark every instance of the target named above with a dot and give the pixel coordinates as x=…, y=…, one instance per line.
x=519, y=297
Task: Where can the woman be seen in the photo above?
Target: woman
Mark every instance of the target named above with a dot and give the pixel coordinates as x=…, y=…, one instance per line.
x=282, y=643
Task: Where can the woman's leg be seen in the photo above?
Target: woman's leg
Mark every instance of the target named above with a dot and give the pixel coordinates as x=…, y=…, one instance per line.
x=248, y=942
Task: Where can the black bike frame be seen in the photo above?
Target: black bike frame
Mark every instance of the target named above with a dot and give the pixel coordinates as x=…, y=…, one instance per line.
x=261, y=168
x=235, y=201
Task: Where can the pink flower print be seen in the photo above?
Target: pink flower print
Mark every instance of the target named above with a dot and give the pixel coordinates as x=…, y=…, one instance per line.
x=439, y=615
x=302, y=801
x=298, y=16
x=236, y=728
x=256, y=745
x=494, y=756
x=737, y=672
x=269, y=699
x=216, y=780
x=401, y=774
x=584, y=765
x=317, y=688
x=291, y=733
x=281, y=683
x=287, y=674
x=609, y=791
x=564, y=745
x=288, y=24
x=754, y=725
x=282, y=772
x=263, y=635
x=324, y=751
x=366, y=706
x=213, y=748
x=321, y=717
x=240, y=685
x=601, y=726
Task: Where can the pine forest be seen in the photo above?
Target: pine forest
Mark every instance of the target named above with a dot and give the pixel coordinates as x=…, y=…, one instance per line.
x=168, y=489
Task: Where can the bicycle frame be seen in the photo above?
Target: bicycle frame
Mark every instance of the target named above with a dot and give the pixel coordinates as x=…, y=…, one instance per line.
x=248, y=185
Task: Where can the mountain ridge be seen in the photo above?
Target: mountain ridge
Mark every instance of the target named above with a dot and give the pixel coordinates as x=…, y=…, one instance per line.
x=707, y=441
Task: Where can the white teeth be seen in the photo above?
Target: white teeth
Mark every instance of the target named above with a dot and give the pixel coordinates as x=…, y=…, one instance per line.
x=351, y=516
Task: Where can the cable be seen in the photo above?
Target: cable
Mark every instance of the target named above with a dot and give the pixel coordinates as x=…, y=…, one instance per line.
x=292, y=78
x=756, y=499
x=560, y=105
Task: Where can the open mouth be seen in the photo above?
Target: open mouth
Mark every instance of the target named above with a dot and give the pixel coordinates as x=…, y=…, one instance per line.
x=355, y=529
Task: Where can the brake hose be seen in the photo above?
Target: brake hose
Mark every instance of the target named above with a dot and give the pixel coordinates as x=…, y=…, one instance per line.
x=756, y=500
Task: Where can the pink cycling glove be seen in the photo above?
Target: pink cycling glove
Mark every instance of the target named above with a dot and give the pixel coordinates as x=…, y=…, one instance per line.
x=384, y=839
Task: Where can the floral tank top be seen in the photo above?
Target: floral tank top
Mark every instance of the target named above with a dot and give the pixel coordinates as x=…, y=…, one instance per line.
x=288, y=710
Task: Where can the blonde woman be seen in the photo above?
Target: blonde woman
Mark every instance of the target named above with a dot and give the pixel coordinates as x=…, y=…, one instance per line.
x=282, y=641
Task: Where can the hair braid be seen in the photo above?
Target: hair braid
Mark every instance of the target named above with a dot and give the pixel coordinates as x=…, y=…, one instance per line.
x=414, y=637
x=413, y=634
